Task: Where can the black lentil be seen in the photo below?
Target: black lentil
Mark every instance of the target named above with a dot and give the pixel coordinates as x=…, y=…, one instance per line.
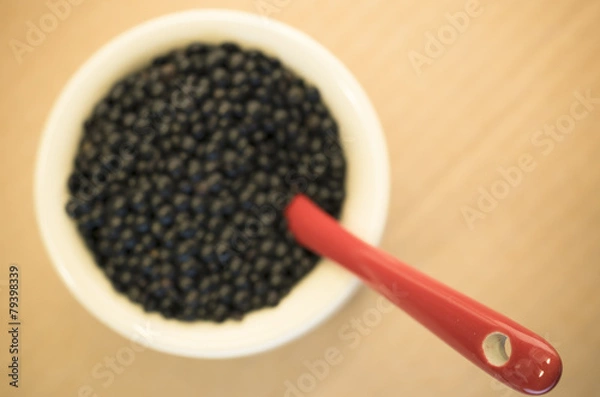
x=184, y=170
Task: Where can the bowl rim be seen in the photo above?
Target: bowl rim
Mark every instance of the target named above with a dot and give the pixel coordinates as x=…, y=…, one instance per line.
x=75, y=81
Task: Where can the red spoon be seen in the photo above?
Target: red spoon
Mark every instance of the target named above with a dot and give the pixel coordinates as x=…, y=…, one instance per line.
x=504, y=349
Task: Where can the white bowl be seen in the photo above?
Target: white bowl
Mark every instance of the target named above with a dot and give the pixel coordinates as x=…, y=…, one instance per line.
x=319, y=294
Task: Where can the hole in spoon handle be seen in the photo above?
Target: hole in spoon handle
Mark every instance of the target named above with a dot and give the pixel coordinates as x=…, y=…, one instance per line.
x=506, y=350
x=497, y=349
x=523, y=361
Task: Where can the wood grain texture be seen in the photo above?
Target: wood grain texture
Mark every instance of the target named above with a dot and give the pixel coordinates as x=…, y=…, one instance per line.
x=449, y=125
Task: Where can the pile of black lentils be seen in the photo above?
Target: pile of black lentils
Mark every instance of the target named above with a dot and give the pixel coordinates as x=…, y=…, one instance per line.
x=183, y=173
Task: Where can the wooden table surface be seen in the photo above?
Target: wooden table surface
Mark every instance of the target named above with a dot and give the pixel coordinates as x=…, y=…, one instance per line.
x=517, y=84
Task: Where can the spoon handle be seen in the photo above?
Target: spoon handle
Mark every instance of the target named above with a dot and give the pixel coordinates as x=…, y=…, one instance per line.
x=504, y=349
